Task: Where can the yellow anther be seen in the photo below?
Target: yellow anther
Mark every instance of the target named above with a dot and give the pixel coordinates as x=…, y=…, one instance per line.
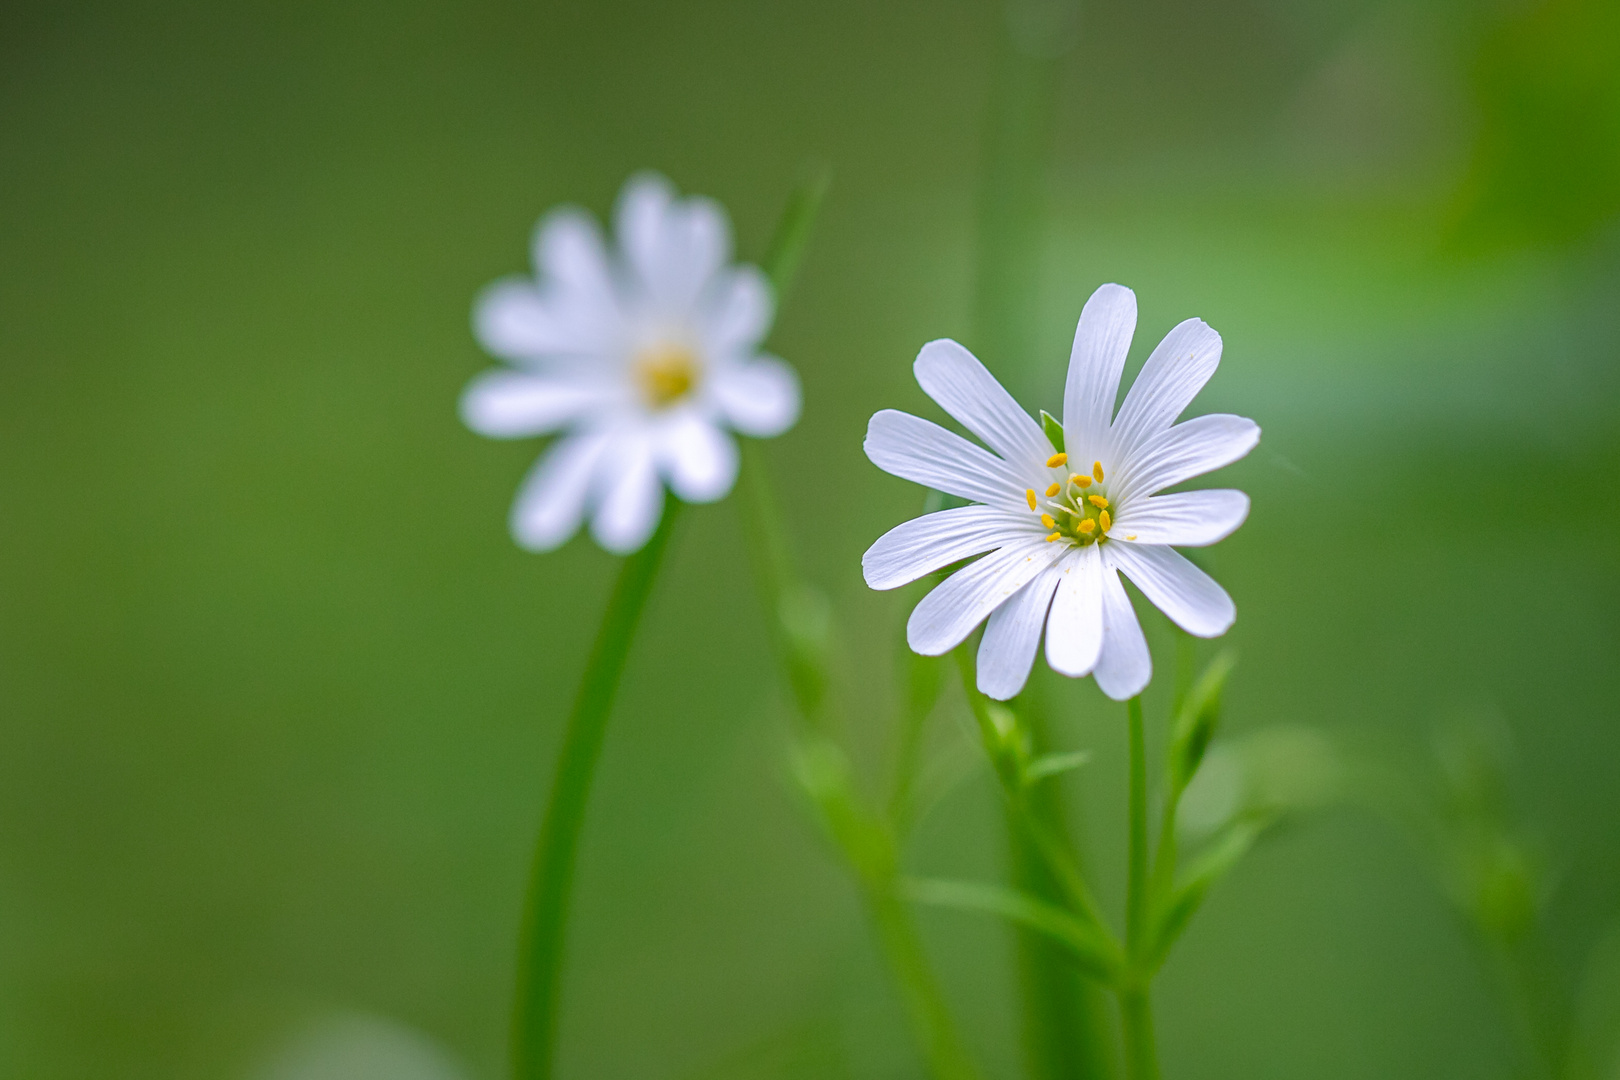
x=1029, y=497
x=1096, y=470
x=1081, y=482
x=1053, y=490
x=1130, y=536
x=1104, y=521
x=1088, y=526
x=1054, y=536
x=1056, y=460
x=1098, y=501
x=1046, y=519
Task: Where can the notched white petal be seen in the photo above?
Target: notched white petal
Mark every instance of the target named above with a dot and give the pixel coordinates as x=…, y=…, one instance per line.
x=759, y=398
x=1191, y=598
x=915, y=449
x=1101, y=341
x=1011, y=637
x=699, y=458
x=1185, y=519
x=505, y=404
x=1074, y=629
x=736, y=312
x=1200, y=445
x=1125, y=666
x=1167, y=384
x=925, y=544
x=633, y=497
x=551, y=502
x=963, y=387
x=962, y=601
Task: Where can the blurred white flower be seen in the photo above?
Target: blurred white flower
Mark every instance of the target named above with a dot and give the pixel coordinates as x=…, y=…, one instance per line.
x=1061, y=526
x=644, y=356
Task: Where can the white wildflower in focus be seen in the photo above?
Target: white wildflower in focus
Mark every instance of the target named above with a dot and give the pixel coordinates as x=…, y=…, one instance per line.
x=645, y=357
x=1061, y=524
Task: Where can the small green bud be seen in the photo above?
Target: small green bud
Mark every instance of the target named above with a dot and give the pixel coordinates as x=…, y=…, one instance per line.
x=1200, y=714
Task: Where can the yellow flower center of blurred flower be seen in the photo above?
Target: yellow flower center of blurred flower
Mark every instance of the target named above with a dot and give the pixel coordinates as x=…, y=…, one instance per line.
x=665, y=373
x=1075, y=508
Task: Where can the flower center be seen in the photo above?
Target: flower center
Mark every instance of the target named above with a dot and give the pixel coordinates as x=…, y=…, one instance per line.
x=1075, y=508
x=665, y=373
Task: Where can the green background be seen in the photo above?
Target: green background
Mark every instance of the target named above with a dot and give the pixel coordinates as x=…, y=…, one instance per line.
x=278, y=696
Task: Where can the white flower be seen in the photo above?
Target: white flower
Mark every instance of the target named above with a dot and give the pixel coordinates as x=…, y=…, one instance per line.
x=1060, y=528
x=643, y=356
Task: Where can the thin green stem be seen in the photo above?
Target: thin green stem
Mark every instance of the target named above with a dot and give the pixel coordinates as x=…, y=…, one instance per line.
x=1136, y=1016
x=1136, y=889
x=540, y=956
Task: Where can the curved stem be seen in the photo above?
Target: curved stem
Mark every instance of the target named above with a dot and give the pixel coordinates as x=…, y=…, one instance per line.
x=534, y=1032
x=1136, y=1015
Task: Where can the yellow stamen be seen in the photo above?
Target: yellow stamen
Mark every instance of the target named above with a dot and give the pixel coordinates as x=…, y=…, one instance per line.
x=666, y=373
x=1096, y=470
x=1088, y=526
x=1029, y=497
x=1130, y=536
x=1098, y=501
x=1046, y=519
x=1056, y=460
x=1104, y=521
x=1054, y=536
x=1053, y=490
x=1081, y=482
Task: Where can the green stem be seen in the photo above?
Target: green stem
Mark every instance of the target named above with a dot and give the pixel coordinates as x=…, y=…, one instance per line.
x=1136, y=1010
x=1136, y=1016
x=534, y=1033
x=930, y=1016
x=1136, y=893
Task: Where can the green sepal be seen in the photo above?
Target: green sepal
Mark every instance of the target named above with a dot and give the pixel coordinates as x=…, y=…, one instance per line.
x=1054, y=430
x=1085, y=943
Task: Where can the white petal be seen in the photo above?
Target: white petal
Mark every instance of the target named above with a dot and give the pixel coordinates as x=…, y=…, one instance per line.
x=699, y=459
x=1187, y=519
x=570, y=258
x=1192, y=599
x=1125, y=666
x=952, y=376
x=633, y=499
x=551, y=502
x=675, y=246
x=1200, y=445
x=513, y=321
x=1012, y=635
x=918, y=450
x=1074, y=630
x=1168, y=382
x=959, y=603
x=737, y=311
x=1101, y=341
x=759, y=398
x=513, y=404
x=922, y=545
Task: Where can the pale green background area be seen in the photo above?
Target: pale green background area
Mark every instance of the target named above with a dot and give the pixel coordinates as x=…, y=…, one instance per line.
x=278, y=696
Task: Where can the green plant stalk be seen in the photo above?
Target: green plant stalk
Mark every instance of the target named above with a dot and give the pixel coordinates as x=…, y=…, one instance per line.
x=1065, y=1029
x=1135, y=1006
x=540, y=955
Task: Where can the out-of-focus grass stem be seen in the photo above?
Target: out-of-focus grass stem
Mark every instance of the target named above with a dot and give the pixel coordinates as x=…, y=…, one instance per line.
x=866, y=841
x=1136, y=1011
x=543, y=942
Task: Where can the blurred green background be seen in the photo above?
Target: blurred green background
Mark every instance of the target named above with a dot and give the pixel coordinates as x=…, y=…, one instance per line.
x=278, y=696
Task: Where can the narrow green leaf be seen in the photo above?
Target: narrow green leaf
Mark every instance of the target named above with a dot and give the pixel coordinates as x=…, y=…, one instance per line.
x=1053, y=764
x=1200, y=715
x=1054, y=430
x=1203, y=872
x=781, y=261
x=1087, y=945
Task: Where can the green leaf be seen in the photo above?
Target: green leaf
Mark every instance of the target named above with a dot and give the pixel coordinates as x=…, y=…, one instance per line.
x=1054, y=430
x=1087, y=944
x=781, y=261
x=1200, y=714
x=1221, y=855
x=1053, y=764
